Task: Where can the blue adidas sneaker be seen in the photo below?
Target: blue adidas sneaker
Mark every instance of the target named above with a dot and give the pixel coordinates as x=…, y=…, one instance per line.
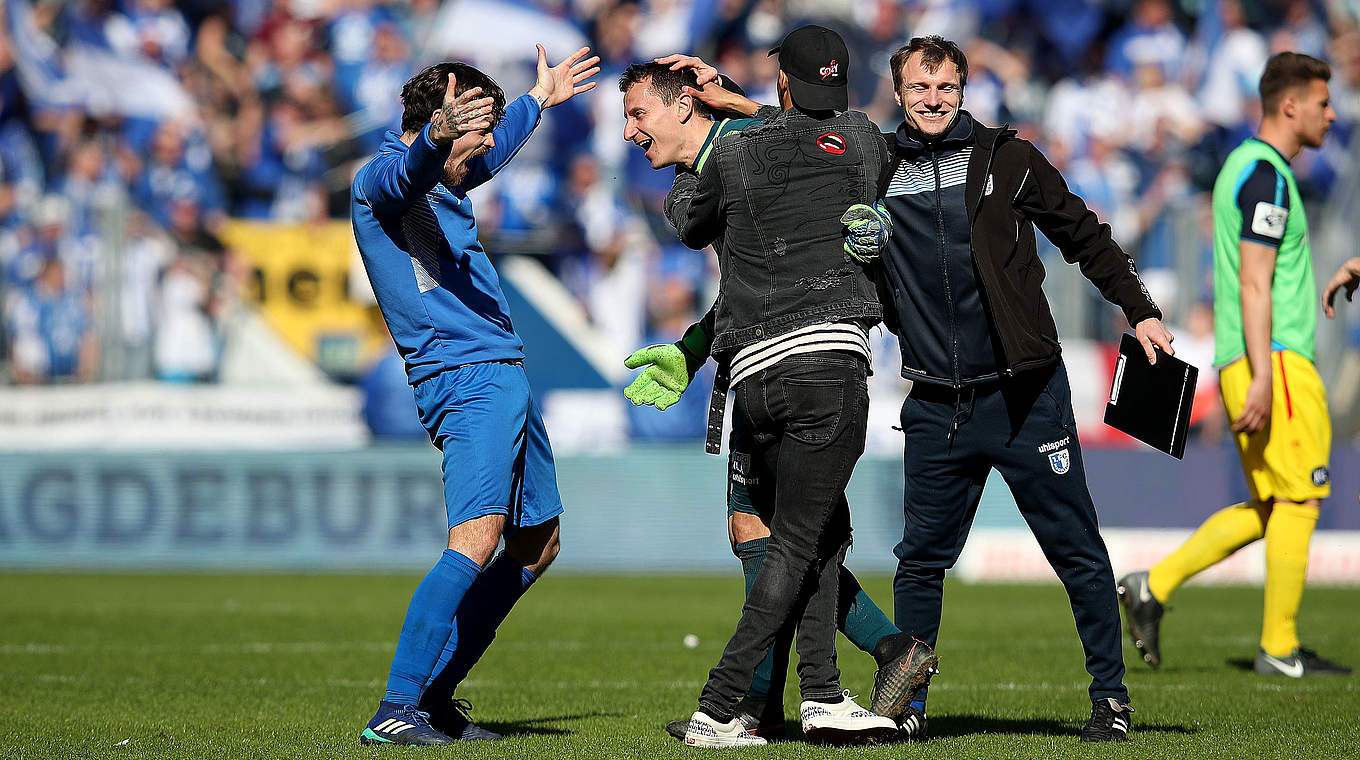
x=401, y=724
x=452, y=718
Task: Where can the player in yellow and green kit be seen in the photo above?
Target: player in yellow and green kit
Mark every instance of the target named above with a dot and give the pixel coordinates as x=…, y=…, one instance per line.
x=1265, y=312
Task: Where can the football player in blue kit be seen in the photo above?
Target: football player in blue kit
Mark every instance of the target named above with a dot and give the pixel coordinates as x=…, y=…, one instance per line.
x=443, y=304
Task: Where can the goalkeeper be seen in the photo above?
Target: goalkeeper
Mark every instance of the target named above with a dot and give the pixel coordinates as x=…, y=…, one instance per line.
x=680, y=131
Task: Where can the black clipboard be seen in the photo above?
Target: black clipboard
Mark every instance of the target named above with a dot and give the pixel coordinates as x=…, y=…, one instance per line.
x=1151, y=402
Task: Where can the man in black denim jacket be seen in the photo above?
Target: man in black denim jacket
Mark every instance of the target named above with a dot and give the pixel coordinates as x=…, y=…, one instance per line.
x=791, y=325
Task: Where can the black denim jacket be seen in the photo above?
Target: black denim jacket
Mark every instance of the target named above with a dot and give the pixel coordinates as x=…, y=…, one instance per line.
x=770, y=198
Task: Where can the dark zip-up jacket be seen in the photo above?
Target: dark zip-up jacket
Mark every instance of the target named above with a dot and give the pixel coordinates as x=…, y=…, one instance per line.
x=1009, y=189
x=938, y=285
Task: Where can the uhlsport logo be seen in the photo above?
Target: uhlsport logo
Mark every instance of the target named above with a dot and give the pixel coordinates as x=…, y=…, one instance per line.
x=830, y=70
x=1061, y=443
x=1060, y=461
x=831, y=143
x=1321, y=476
x=740, y=472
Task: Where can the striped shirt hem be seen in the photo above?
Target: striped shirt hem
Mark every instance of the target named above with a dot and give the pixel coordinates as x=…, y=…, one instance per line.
x=827, y=336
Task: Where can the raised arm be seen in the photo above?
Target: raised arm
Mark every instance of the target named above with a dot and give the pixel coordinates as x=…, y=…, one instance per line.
x=723, y=100
x=393, y=180
x=715, y=90
x=555, y=85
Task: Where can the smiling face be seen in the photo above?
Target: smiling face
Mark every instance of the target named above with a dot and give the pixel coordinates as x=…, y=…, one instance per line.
x=657, y=128
x=930, y=99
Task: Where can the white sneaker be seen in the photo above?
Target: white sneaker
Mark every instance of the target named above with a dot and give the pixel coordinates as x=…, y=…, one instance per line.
x=704, y=731
x=845, y=722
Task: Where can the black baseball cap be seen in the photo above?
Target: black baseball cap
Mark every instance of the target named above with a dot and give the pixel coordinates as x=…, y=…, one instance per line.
x=818, y=66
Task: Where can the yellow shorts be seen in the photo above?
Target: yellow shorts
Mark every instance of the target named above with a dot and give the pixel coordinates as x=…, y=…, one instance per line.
x=1286, y=460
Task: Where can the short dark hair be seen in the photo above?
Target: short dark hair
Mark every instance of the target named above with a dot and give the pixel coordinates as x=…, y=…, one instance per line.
x=665, y=83
x=423, y=94
x=934, y=51
x=1287, y=71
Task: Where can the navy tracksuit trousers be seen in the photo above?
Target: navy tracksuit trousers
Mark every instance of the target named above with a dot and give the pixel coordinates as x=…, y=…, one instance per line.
x=1023, y=427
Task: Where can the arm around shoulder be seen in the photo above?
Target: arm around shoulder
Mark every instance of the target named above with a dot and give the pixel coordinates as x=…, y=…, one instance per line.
x=694, y=206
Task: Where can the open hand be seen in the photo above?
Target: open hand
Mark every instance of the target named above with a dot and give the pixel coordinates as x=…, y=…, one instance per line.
x=703, y=72
x=460, y=114
x=566, y=80
x=664, y=377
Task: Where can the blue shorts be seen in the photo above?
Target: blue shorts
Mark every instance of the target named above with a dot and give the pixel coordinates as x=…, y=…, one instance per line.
x=497, y=460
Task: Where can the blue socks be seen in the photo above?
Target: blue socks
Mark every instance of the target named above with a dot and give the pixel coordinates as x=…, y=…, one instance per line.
x=863, y=623
x=483, y=609
x=428, y=627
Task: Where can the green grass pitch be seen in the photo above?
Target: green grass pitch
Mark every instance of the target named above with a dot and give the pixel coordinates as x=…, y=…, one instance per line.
x=214, y=667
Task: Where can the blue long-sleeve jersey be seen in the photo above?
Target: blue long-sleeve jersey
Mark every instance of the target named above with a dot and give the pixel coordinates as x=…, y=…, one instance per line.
x=434, y=282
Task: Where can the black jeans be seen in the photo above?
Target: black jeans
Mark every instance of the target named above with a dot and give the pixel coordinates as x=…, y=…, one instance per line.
x=1026, y=430
x=805, y=419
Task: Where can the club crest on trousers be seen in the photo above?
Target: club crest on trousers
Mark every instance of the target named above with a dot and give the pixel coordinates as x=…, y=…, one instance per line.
x=1060, y=461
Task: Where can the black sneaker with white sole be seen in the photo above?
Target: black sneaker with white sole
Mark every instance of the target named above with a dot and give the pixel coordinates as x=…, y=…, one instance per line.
x=1143, y=615
x=1297, y=664
x=1109, y=721
x=901, y=676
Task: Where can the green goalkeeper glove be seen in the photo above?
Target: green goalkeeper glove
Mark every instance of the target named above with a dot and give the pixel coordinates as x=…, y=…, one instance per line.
x=663, y=381
x=868, y=229
x=669, y=368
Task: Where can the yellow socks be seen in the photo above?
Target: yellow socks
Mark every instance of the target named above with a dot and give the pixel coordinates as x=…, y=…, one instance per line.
x=1287, y=534
x=1287, y=529
x=1226, y=531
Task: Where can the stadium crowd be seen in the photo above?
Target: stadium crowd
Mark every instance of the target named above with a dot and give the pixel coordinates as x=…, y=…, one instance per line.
x=130, y=129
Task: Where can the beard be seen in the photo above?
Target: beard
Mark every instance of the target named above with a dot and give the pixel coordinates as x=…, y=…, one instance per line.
x=456, y=167
x=454, y=173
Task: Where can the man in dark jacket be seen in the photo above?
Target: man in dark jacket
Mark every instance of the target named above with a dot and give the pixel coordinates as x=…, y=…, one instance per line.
x=791, y=325
x=961, y=279
x=678, y=130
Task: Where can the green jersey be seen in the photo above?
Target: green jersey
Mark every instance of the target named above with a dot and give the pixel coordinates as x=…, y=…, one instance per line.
x=1257, y=200
x=719, y=128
